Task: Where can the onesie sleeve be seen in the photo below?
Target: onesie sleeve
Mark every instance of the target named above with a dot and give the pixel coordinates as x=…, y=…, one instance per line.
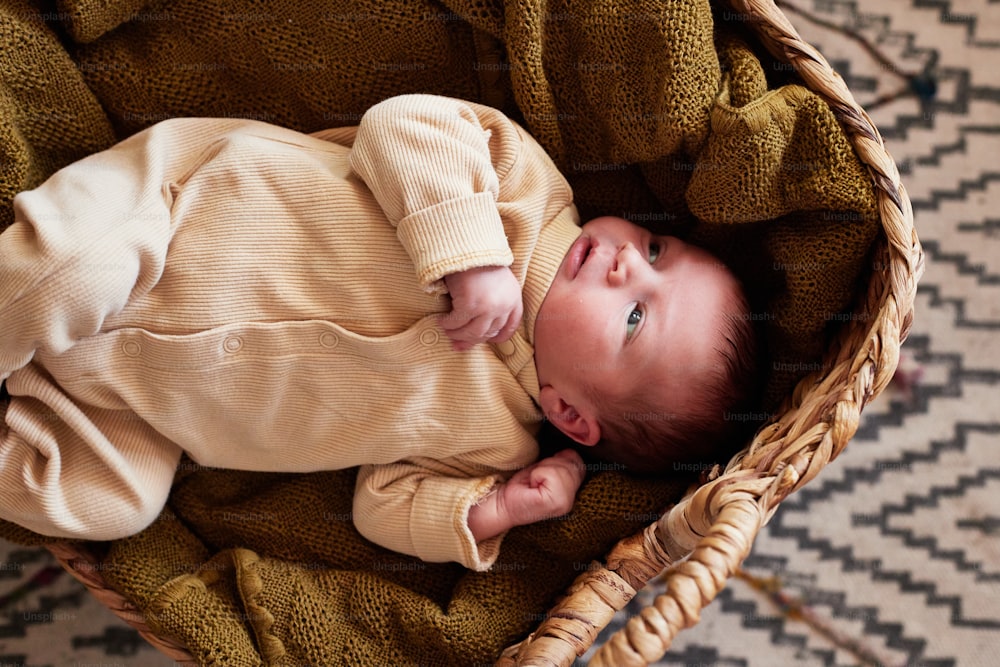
x=434, y=165
x=419, y=507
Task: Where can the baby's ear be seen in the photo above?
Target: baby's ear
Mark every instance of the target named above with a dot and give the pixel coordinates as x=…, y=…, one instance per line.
x=576, y=424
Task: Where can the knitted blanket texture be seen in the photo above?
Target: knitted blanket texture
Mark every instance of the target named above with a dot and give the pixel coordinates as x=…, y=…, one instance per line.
x=664, y=112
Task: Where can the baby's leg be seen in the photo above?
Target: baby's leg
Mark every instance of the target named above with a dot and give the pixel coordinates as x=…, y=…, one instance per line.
x=60, y=474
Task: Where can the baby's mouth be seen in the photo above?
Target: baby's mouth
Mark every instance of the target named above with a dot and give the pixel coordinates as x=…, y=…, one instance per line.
x=579, y=253
x=587, y=251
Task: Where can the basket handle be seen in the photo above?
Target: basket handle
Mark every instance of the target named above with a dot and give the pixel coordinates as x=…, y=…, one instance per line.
x=572, y=625
x=731, y=515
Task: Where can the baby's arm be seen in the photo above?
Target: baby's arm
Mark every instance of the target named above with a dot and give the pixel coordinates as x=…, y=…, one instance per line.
x=419, y=506
x=434, y=165
x=543, y=490
x=441, y=511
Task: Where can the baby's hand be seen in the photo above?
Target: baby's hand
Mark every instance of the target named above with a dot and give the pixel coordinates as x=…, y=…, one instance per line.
x=486, y=306
x=543, y=490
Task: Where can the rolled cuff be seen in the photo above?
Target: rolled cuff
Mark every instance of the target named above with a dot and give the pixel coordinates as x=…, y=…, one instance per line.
x=439, y=522
x=454, y=236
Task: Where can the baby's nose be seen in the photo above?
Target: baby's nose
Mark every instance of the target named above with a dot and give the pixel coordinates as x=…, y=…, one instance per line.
x=621, y=264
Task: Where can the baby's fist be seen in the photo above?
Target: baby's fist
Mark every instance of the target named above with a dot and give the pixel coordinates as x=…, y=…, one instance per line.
x=544, y=490
x=486, y=306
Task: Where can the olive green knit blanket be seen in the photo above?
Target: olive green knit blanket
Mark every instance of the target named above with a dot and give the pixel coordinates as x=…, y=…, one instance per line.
x=656, y=111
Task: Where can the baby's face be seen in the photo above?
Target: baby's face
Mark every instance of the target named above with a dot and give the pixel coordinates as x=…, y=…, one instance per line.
x=630, y=310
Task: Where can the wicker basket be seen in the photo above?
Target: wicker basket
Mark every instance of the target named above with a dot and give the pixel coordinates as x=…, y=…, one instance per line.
x=702, y=540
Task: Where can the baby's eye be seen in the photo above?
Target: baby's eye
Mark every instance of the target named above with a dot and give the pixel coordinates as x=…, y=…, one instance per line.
x=634, y=318
x=654, y=252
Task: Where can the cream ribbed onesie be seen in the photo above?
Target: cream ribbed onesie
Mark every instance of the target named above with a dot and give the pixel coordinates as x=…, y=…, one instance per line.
x=263, y=299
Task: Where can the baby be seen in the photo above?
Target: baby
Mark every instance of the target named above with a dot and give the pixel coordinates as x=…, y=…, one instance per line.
x=412, y=296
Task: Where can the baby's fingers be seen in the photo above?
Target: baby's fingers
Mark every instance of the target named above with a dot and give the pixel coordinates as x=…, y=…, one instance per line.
x=510, y=326
x=455, y=320
x=477, y=330
x=571, y=461
x=563, y=471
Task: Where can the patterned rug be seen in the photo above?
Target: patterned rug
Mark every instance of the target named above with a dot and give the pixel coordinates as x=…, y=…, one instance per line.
x=892, y=555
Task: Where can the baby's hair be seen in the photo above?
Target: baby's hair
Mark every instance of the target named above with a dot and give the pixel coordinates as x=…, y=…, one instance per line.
x=646, y=439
